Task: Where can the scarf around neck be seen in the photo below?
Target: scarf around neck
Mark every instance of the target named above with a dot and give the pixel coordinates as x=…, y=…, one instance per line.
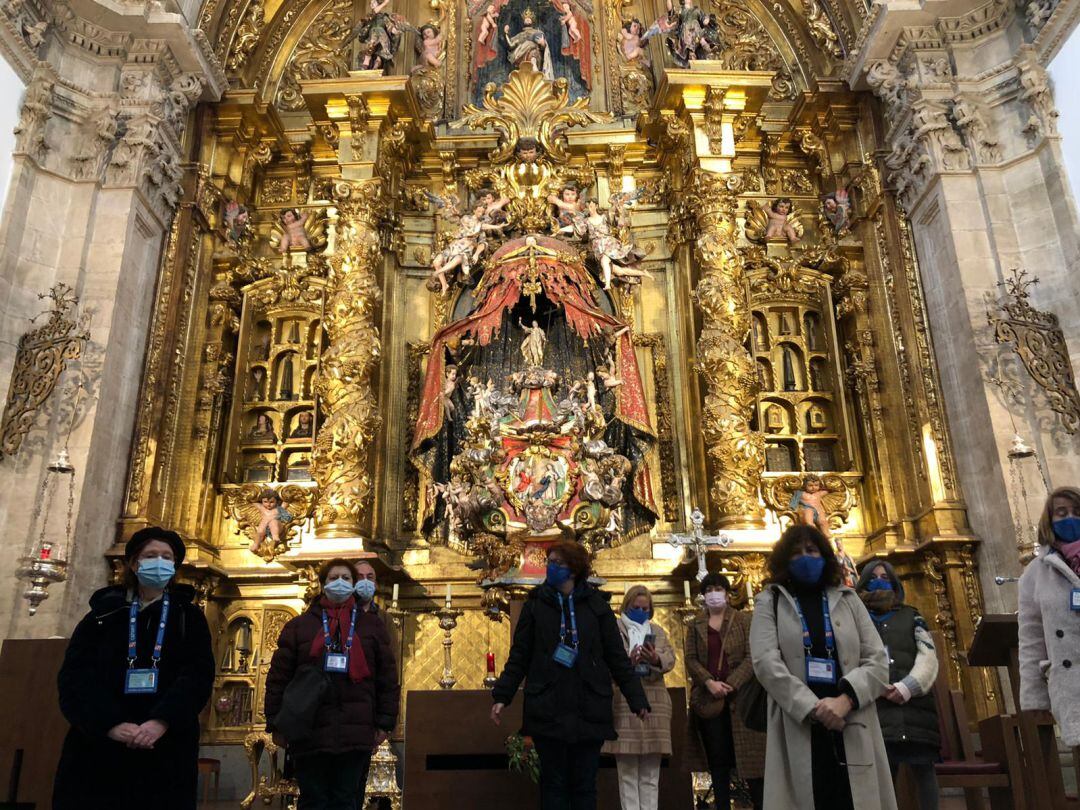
x=338, y=617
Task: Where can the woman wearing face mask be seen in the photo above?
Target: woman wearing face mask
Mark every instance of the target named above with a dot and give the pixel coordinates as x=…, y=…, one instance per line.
x=136, y=674
x=1050, y=617
x=641, y=745
x=567, y=649
x=718, y=663
x=359, y=708
x=822, y=663
x=907, y=713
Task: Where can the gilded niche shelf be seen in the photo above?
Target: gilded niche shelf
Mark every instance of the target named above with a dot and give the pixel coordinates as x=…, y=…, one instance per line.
x=273, y=424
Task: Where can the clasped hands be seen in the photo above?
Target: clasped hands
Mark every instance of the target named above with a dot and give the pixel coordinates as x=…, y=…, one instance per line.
x=142, y=736
x=719, y=689
x=831, y=712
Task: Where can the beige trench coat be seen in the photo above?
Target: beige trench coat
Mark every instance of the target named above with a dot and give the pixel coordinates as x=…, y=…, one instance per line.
x=780, y=665
x=1050, y=643
x=653, y=736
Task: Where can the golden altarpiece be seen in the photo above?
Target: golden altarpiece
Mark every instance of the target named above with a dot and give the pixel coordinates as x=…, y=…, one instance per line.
x=455, y=301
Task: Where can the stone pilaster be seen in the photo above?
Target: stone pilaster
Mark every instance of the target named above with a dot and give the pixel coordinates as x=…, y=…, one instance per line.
x=975, y=160
x=98, y=173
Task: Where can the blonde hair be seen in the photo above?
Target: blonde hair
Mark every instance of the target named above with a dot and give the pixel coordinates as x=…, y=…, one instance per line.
x=1046, y=522
x=632, y=593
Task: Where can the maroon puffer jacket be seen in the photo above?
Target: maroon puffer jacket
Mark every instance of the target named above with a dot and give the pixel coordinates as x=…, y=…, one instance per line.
x=351, y=713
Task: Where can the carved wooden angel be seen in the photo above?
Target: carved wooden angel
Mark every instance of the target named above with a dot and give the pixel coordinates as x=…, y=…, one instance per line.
x=299, y=231
x=779, y=221
x=822, y=501
x=429, y=47
x=268, y=516
x=467, y=244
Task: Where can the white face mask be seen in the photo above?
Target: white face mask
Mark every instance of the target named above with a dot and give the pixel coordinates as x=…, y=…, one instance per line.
x=716, y=599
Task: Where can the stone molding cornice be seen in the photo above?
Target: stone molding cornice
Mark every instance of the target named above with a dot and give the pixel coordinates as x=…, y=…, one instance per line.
x=1063, y=20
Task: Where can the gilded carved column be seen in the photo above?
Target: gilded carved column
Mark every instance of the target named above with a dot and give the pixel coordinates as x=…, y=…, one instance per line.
x=346, y=376
x=736, y=452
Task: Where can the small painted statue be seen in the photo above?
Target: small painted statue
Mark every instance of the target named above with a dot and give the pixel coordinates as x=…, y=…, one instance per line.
x=429, y=48
x=379, y=36
x=533, y=345
x=237, y=222
x=615, y=257
x=449, y=386
x=837, y=210
x=467, y=244
x=274, y=516
x=632, y=39
x=263, y=429
x=293, y=236
x=778, y=221
x=304, y=423
x=809, y=506
x=567, y=205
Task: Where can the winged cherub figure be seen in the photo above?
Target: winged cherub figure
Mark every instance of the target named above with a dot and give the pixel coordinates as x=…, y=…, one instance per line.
x=809, y=504
x=466, y=245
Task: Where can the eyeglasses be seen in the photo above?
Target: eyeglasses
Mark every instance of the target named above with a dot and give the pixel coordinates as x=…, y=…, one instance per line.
x=836, y=738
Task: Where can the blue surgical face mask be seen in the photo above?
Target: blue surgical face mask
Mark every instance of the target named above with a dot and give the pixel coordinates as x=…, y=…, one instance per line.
x=155, y=572
x=1067, y=529
x=338, y=590
x=877, y=584
x=637, y=615
x=557, y=574
x=807, y=569
x=365, y=590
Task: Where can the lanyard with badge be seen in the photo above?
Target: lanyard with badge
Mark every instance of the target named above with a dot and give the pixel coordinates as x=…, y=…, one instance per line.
x=566, y=654
x=144, y=681
x=338, y=662
x=819, y=670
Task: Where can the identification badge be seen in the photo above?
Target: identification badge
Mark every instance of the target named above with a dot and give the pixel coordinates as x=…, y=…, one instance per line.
x=336, y=662
x=565, y=655
x=820, y=670
x=1074, y=599
x=140, y=681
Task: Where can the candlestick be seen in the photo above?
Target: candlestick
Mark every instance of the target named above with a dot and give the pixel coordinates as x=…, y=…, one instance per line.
x=490, y=679
x=449, y=590
x=395, y=597
x=749, y=592
x=686, y=590
x=447, y=622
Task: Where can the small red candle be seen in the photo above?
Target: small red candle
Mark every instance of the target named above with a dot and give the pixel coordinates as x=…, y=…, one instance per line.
x=46, y=552
x=491, y=662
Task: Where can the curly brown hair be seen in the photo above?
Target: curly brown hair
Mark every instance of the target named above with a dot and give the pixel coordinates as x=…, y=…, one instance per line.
x=793, y=538
x=576, y=557
x=324, y=572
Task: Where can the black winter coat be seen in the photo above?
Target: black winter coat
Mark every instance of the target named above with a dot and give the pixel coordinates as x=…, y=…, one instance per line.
x=351, y=713
x=96, y=773
x=569, y=704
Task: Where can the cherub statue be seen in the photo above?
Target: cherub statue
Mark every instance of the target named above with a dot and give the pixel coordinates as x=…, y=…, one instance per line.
x=429, y=50
x=267, y=516
x=779, y=220
x=811, y=506
x=615, y=257
x=467, y=244
x=294, y=237
x=296, y=230
x=567, y=18
x=449, y=386
x=533, y=345
x=836, y=207
x=590, y=391
x=632, y=39
x=480, y=393
x=567, y=205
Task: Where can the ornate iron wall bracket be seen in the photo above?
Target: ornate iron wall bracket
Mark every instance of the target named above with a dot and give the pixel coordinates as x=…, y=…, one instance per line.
x=1038, y=340
x=40, y=360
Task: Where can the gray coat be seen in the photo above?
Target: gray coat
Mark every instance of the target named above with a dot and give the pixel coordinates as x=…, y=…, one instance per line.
x=1050, y=643
x=779, y=663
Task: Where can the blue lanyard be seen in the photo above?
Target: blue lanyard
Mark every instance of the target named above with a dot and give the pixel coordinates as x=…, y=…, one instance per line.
x=830, y=644
x=326, y=630
x=159, y=643
x=562, y=622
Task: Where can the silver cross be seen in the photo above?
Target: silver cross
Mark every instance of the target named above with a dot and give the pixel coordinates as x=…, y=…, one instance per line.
x=699, y=542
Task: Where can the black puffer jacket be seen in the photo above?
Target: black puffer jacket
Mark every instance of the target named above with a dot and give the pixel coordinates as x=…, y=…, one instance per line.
x=351, y=713
x=96, y=772
x=569, y=704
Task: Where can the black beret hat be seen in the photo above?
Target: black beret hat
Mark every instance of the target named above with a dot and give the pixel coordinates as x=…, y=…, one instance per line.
x=144, y=536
